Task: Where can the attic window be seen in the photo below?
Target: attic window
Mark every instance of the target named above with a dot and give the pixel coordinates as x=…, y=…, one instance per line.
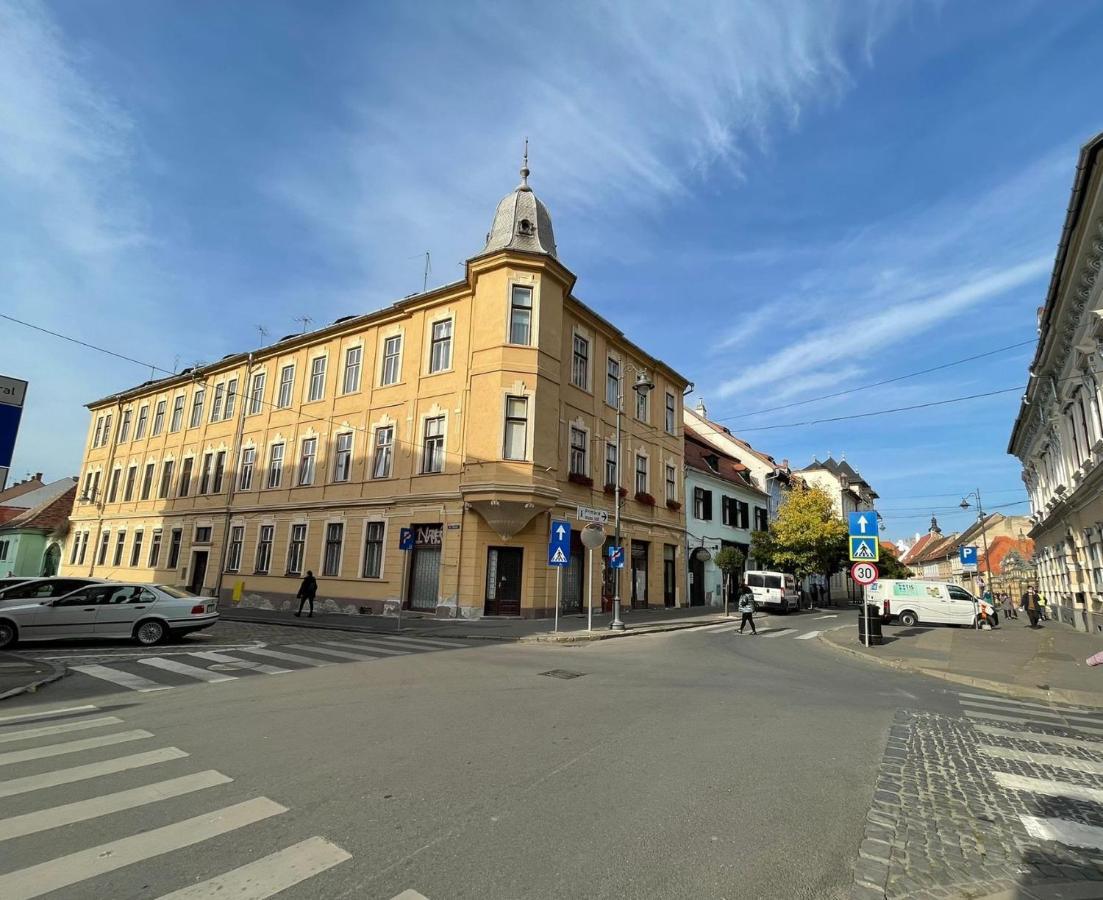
x=525, y=227
x=714, y=462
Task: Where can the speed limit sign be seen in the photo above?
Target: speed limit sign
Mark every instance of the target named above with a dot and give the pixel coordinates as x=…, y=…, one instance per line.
x=864, y=573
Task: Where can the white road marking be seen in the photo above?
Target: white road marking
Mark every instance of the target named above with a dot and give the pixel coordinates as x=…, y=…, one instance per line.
x=144, y=651
x=179, y=668
x=270, y=875
x=46, y=713
x=1019, y=720
x=90, y=770
x=64, y=871
x=123, y=679
x=1009, y=701
x=832, y=616
x=1045, y=759
x=409, y=894
x=107, y=740
x=288, y=657
x=1049, y=788
x=314, y=648
x=1026, y=714
x=1074, y=834
x=415, y=641
x=83, y=810
x=809, y=636
x=781, y=633
x=46, y=730
x=217, y=657
x=1096, y=746
x=370, y=648
x=719, y=627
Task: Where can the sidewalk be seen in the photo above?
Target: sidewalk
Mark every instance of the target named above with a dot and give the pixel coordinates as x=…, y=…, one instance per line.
x=571, y=628
x=22, y=676
x=1044, y=664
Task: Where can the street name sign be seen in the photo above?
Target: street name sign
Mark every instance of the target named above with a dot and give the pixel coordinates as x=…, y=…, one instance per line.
x=589, y=514
x=616, y=557
x=559, y=543
x=864, y=549
x=968, y=557
x=863, y=523
x=864, y=573
x=406, y=539
x=12, y=393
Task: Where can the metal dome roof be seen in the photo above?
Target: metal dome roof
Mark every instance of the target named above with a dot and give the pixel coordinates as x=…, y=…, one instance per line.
x=521, y=221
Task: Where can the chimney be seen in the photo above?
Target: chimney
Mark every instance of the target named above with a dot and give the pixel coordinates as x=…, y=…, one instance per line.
x=37, y=476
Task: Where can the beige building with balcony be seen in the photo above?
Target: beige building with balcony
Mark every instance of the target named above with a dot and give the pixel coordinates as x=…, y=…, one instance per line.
x=472, y=414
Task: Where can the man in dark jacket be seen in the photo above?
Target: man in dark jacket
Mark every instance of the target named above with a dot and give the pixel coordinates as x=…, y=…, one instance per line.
x=307, y=590
x=1032, y=606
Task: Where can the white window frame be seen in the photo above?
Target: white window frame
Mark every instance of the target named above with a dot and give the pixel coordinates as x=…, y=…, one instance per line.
x=614, y=402
x=198, y=399
x=143, y=421
x=337, y=452
x=364, y=550
x=356, y=368
x=450, y=321
x=643, y=401
x=187, y=466
x=246, y=468
x=585, y=432
x=526, y=425
x=530, y=289
x=670, y=411
x=176, y=421
x=300, y=469
x=277, y=470
x=325, y=548
x=443, y=417
x=615, y=463
x=646, y=473
x=257, y=385
x=384, y=358
x=286, y=391
x=231, y=398
x=235, y=549
x=305, y=526
x=671, y=473
x=216, y=401
x=323, y=358
x=578, y=335
x=267, y=570
x=124, y=425
x=385, y=426
x=160, y=411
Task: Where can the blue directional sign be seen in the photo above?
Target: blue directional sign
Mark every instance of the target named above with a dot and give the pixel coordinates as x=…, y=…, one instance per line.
x=863, y=523
x=968, y=556
x=864, y=549
x=559, y=543
x=406, y=539
x=616, y=557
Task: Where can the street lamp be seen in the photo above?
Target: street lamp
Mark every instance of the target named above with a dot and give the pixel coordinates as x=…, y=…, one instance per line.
x=643, y=386
x=983, y=532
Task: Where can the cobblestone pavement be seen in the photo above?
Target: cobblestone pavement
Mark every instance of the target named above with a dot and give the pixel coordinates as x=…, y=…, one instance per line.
x=1008, y=796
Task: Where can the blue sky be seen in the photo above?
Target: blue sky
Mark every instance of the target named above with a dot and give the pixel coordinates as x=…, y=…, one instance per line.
x=781, y=199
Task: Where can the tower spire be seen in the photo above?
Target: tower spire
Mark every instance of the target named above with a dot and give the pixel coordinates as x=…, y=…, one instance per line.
x=524, y=185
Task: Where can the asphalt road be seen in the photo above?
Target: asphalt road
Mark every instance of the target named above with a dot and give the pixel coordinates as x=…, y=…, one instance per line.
x=692, y=764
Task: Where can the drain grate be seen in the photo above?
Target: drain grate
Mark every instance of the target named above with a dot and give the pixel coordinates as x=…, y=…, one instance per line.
x=563, y=673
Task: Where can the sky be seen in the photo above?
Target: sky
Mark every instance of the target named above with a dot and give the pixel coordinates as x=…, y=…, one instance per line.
x=782, y=200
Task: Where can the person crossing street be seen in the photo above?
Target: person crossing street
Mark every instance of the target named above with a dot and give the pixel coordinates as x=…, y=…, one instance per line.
x=746, y=607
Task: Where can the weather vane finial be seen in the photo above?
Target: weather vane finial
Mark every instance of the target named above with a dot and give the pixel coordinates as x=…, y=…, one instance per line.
x=525, y=167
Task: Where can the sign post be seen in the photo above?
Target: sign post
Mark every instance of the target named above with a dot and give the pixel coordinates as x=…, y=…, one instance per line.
x=12, y=393
x=593, y=536
x=559, y=555
x=406, y=545
x=865, y=574
x=968, y=557
x=865, y=551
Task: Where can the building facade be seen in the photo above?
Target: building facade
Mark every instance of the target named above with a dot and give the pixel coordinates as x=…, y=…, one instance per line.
x=1058, y=433
x=32, y=540
x=471, y=414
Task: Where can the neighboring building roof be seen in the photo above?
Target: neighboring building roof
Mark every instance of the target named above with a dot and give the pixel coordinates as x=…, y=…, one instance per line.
x=51, y=513
x=20, y=488
x=935, y=550
x=839, y=470
x=917, y=549
x=701, y=414
x=999, y=548
x=702, y=455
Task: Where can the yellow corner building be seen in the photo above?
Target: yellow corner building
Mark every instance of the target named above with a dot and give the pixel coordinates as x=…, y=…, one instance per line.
x=473, y=414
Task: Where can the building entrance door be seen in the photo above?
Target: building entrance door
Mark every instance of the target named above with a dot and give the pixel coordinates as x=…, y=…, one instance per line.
x=503, y=581
x=639, y=574
x=198, y=571
x=670, y=575
x=425, y=568
x=697, y=581
x=574, y=579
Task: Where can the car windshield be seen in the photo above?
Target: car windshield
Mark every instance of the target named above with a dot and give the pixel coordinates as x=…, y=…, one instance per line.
x=178, y=593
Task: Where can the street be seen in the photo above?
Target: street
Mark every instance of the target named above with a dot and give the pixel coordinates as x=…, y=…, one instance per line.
x=695, y=763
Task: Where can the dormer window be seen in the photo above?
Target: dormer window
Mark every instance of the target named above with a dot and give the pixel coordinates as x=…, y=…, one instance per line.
x=714, y=462
x=526, y=228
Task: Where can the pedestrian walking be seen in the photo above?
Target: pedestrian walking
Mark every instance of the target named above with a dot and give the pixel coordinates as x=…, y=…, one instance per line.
x=1032, y=606
x=307, y=591
x=746, y=607
x=1009, y=607
x=1043, y=605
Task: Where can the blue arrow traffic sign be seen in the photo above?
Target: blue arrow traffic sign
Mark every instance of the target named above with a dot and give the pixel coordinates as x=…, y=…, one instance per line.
x=559, y=543
x=406, y=539
x=863, y=523
x=968, y=556
x=616, y=557
x=864, y=549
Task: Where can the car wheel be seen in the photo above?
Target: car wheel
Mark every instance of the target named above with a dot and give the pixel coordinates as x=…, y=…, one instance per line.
x=8, y=634
x=908, y=619
x=150, y=632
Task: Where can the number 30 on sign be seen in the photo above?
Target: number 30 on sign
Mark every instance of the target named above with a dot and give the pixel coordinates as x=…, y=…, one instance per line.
x=864, y=573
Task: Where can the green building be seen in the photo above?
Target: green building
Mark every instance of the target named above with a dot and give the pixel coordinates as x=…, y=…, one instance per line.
x=33, y=529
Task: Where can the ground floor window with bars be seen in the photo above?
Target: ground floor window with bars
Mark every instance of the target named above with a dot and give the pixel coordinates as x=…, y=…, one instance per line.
x=373, y=550
x=331, y=562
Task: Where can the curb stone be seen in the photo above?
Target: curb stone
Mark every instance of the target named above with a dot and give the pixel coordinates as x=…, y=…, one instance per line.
x=59, y=672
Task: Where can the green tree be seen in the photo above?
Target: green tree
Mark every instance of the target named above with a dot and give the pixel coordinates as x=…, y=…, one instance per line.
x=730, y=561
x=806, y=539
x=890, y=567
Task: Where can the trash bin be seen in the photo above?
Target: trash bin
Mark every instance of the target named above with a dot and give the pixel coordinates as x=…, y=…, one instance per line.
x=875, y=636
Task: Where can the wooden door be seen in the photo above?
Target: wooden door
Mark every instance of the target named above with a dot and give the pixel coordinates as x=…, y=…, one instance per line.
x=503, y=581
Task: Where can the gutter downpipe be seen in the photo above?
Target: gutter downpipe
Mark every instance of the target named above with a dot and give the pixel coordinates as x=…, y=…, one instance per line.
x=235, y=449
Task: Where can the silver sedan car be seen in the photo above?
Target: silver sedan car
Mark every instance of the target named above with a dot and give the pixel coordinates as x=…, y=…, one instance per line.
x=148, y=613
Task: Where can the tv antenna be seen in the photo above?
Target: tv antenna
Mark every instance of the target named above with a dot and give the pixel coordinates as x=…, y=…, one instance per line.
x=426, y=272
x=263, y=333
x=306, y=320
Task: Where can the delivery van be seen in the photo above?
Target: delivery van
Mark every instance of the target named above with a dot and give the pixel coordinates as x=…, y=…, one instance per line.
x=915, y=602
x=774, y=590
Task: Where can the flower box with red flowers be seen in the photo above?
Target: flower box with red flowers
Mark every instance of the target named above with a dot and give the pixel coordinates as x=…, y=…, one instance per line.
x=674, y=505
x=645, y=498
x=579, y=478
x=612, y=489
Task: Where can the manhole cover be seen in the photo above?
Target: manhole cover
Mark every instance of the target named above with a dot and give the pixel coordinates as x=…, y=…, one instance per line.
x=562, y=673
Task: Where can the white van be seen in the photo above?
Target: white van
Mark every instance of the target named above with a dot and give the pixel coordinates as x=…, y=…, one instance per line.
x=926, y=602
x=775, y=590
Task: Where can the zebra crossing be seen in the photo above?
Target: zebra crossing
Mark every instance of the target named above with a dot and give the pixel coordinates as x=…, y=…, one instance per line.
x=766, y=629
x=195, y=807
x=150, y=674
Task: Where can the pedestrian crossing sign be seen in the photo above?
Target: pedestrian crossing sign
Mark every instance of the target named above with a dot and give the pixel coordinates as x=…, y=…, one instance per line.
x=559, y=558
x=864, y=549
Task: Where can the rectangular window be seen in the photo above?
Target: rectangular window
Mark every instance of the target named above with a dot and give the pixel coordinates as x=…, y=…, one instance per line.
x=671, y=483
x=275, y=466
x=727, y=516
x=440, y=347
x=580, y=363
x=611, y=464
x=136, y=548
x=159, y=418
x=177, y=414
x=86, y=492
x=641, y=474
x=219, y=471
x=205, y=473
x=579, y=446
x=264, y=549
x=83, y=548
x=392, y=354
x=131, y=478
x=143, y=420
x=670, y=410
x=155, y=548
x=612, y=382
x=202, y=534
x=147, y=480
x=643, y=406
x=233, y=552
x=287, y=387
x=256, y=394
x=124, y=427
x=185, y=475
x=175, y=537
x=342, y=457
x=742, y=514
x=331, y=563
x=3, y=550
x=296, y=549
x=248, y=461
x=107, y=429
x=231, y=398
x=702, y=504
x=520, y=316
x=516, y=433
x=432, y=455
x=373, y=550
x=105, y=542
x=317, y=379
x=197, y=407
x=761, y=522
x=384, y=452
x=306, y=461
x=97, y=435
x=95, y=486
x=73, y=552
x=351, y=382
x=113, y=490
x=120, y=541
x=216, y=402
